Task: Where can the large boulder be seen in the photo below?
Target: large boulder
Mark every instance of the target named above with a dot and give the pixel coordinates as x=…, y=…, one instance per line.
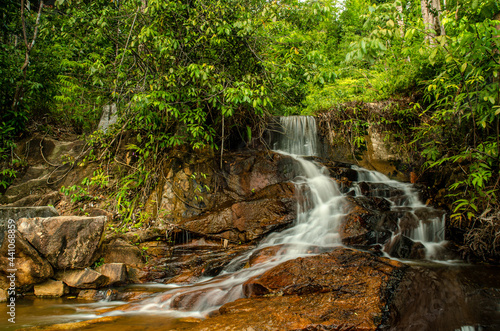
x=341, y=290
x=121, y=251
x=116, y=273
x=15, y=213
x=246, y=221
x=65, y=241
x=30, y=267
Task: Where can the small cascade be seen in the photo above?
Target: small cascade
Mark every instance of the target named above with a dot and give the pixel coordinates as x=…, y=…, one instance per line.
x=421, y=223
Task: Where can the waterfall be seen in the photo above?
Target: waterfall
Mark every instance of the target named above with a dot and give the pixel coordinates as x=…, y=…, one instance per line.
x=319, y=217
x=298, y=136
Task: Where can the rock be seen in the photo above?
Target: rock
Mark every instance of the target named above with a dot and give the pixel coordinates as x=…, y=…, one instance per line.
x=31, y=267
x=120, y=251
x=3, y=295
x=16, y=213
x=257, y=218
x=187, y=263
x=65, y=241
x=267, y=253
x=51, y=288
x=116, y=273
x=264, y=254
x=341, y=290
x=403, y=247
x=86, y=278
x=94, y=212
x=274, y=208
x=248, y=174
x=96, y=295
x=363, y=226
x=325, y=272
x=109, y=117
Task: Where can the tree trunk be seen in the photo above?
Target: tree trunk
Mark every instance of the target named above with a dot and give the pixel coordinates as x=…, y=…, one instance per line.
x=430, y=14
x=29, y=45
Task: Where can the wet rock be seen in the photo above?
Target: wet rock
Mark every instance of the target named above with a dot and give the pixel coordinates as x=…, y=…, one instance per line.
x=403, y=247
x=65, y=241
x=365, y=224
x=120, y=251
x=249, y=220
x=187, y=263
x=257, y=218
x=320, y=273
x=264, y=255
x=116, y=273
x=267, y=253
x=340, y=290
x=86, y=278
x=343, y=172
x=51, y=288
x=96, y=295
x=31, y=267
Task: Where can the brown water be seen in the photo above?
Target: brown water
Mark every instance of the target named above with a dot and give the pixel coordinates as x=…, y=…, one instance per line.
x=430, y=297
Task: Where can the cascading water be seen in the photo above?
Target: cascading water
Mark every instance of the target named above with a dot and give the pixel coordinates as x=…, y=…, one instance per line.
x=319, y=216
x=318, y=220
x=428, y=223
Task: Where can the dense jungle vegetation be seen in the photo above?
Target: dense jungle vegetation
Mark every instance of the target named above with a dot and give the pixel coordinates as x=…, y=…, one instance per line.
x=194, y=74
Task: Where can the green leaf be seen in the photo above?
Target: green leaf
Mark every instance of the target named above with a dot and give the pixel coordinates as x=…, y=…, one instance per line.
x=463, y=67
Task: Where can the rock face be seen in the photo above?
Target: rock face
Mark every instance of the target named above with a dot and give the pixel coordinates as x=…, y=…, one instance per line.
x=340, y=290
x=65, y=241
x=248, y=220
x=31, y=267
x=48, y=169
x=209, y=202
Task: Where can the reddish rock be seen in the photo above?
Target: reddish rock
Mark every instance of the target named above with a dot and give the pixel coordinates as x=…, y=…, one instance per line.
x=341, y=290
x=248, y=174
x=263, y=255
x=368, y=221
x=249, y=220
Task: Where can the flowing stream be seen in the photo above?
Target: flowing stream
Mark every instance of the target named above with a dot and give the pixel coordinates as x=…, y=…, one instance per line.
x=319, y=215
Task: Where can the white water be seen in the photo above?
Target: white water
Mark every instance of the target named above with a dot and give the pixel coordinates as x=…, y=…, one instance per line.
x=317, y=224
x=430, y=228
